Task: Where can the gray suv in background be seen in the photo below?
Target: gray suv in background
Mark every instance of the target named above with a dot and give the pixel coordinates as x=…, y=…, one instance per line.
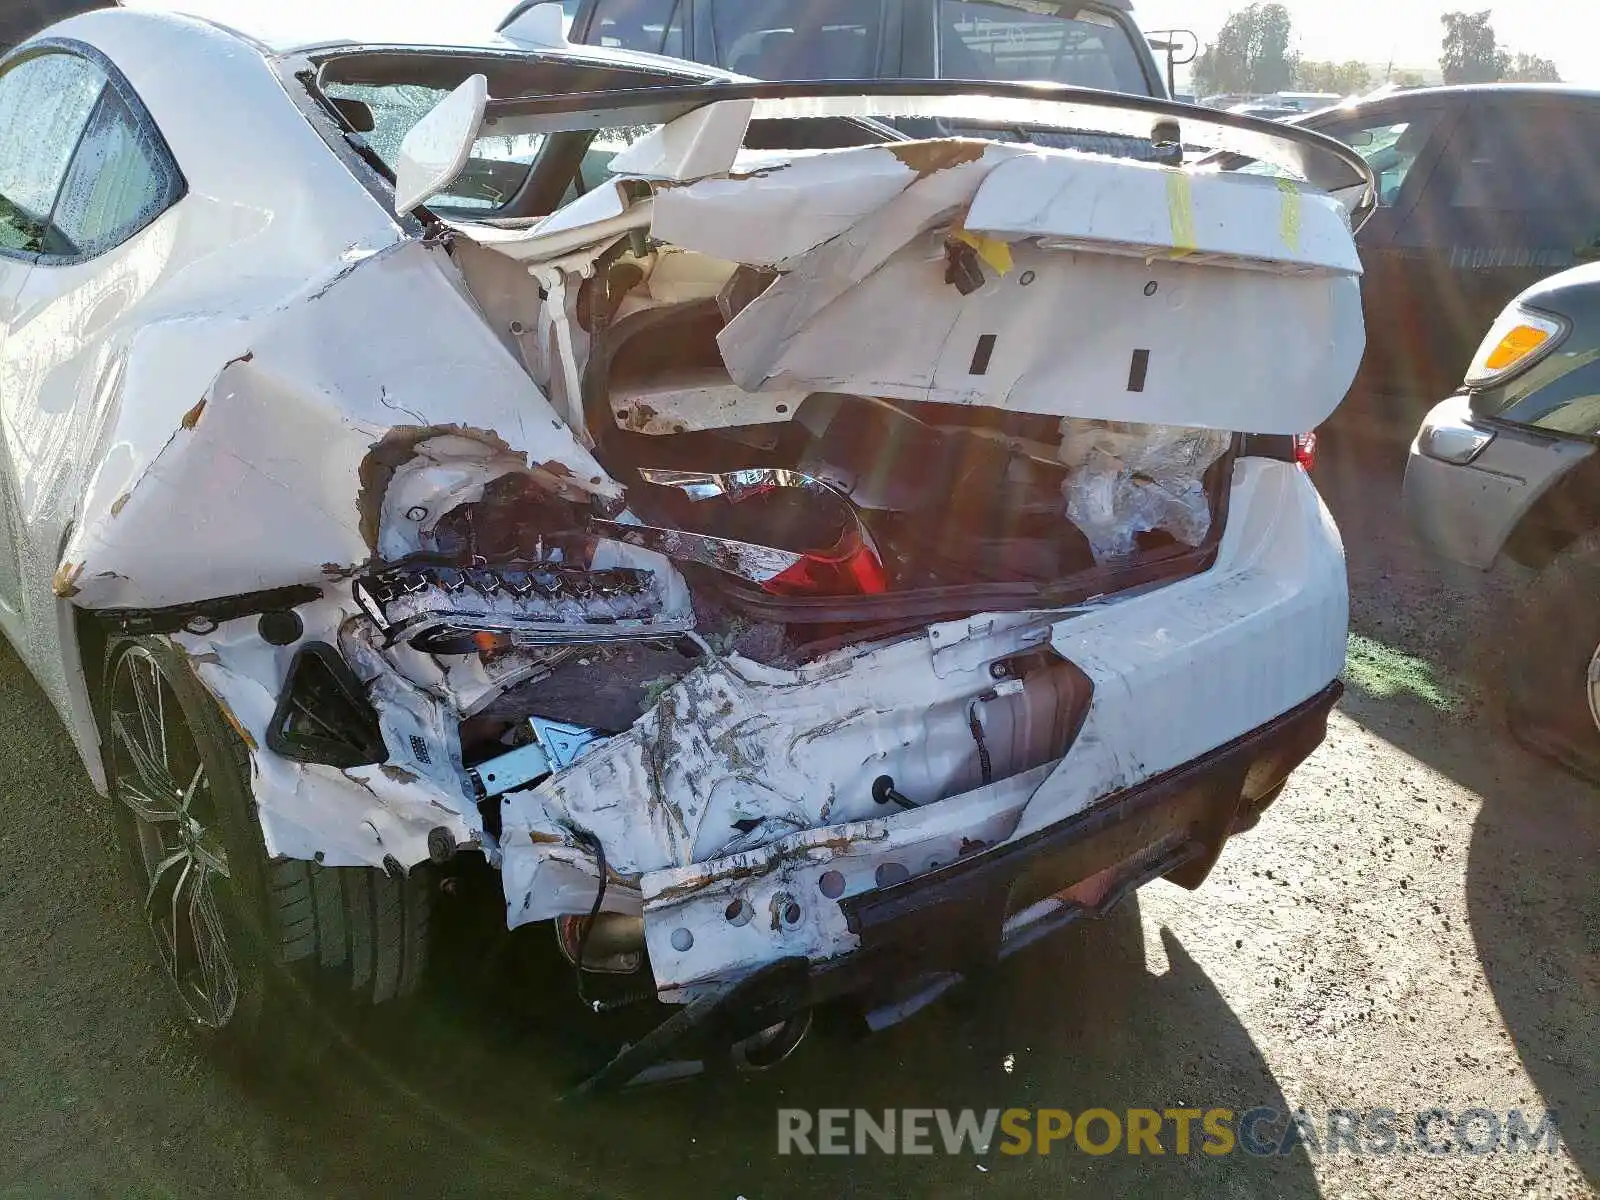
x=1506, y=468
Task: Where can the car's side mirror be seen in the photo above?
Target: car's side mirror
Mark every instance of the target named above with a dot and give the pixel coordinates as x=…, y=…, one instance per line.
x=435, y=151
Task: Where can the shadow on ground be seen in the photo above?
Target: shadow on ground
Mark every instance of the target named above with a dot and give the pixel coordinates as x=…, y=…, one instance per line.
x=1424, y=675
x=468, y=1104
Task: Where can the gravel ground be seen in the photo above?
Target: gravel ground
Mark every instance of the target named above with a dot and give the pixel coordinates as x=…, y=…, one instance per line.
x=1416, y=924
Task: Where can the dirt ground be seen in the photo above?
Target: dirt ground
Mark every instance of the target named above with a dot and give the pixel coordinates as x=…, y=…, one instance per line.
x=1416, y=924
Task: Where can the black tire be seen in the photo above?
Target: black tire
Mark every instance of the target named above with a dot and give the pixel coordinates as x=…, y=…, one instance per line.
x=286, y=929
x=1556, y=635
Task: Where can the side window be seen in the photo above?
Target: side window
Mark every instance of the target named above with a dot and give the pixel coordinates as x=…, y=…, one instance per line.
x=1524, y=160
x=654, y=26
x=1390, y=147
x=119, y=182
x=45, y=103
x=1002, y=39
x=798, y=39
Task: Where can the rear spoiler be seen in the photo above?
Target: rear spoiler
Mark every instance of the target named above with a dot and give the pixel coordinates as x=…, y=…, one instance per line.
x=703, y=126
x=1319, y=159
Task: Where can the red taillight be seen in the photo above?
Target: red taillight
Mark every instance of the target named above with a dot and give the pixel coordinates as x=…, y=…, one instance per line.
x=1305, y=449
x=855, y=570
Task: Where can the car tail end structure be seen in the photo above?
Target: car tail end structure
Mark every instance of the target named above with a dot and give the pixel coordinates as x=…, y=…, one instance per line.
x=797, y=573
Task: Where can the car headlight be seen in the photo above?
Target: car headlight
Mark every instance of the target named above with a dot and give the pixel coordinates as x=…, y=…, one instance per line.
x=1520, y=338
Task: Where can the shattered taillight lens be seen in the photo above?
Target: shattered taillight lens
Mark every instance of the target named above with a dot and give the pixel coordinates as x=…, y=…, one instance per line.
x=1305, y=449
x=854, y=571
x=784, y=531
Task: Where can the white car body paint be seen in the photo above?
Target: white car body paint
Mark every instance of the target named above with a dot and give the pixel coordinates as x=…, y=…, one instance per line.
x=207, y=410
x=110, y=364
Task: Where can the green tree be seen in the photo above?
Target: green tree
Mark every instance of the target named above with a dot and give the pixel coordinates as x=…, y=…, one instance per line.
x=1407, y=79
x=1530, y=68
x=1472, y=53
x=1251, y=54
x=1347, y=79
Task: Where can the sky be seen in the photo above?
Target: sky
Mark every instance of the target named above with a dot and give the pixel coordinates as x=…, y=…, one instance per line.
x=1567, y=31
x=1409, y=31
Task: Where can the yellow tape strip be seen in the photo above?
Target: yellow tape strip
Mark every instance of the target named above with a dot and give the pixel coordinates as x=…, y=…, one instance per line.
x=992, y=250
x=1289, y=228
x=1180, y=208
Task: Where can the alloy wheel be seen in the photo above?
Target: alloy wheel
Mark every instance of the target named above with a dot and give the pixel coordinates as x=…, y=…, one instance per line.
x=161, y=780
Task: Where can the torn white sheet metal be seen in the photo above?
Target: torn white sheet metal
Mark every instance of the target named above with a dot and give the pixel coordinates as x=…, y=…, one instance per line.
x=551, y=875
x=802, y=200
x=706, y=925
x=597, y=217
x=1062, y=332
x=1065, y=333
x=1207, y=336
x=1177, y=671
x=1109, y=289
x=361, y=816
x=734, y=742
x=703, y=400
x=277, y=473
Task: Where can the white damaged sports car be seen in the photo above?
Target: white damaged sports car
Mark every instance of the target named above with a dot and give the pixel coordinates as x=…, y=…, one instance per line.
x=807, y=539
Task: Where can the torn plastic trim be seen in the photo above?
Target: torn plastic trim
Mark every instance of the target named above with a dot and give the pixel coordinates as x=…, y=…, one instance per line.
x=323, y=714
x=201, y=616
x=373, y=815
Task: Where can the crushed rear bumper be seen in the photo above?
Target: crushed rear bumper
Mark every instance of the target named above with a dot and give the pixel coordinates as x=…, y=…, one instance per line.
x=963, y=918
x=920, y=937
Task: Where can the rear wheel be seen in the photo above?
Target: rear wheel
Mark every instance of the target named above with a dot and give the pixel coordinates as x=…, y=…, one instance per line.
x=1555, y=672
x=231, y=927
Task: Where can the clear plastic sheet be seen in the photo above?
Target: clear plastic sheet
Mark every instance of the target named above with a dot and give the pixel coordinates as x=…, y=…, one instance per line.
x=1128, y=479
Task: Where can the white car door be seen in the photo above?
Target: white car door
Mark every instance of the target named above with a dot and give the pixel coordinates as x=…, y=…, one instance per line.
x=45, y=103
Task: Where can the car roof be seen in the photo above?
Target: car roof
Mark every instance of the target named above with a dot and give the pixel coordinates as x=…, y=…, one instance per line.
x=1463, y=92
